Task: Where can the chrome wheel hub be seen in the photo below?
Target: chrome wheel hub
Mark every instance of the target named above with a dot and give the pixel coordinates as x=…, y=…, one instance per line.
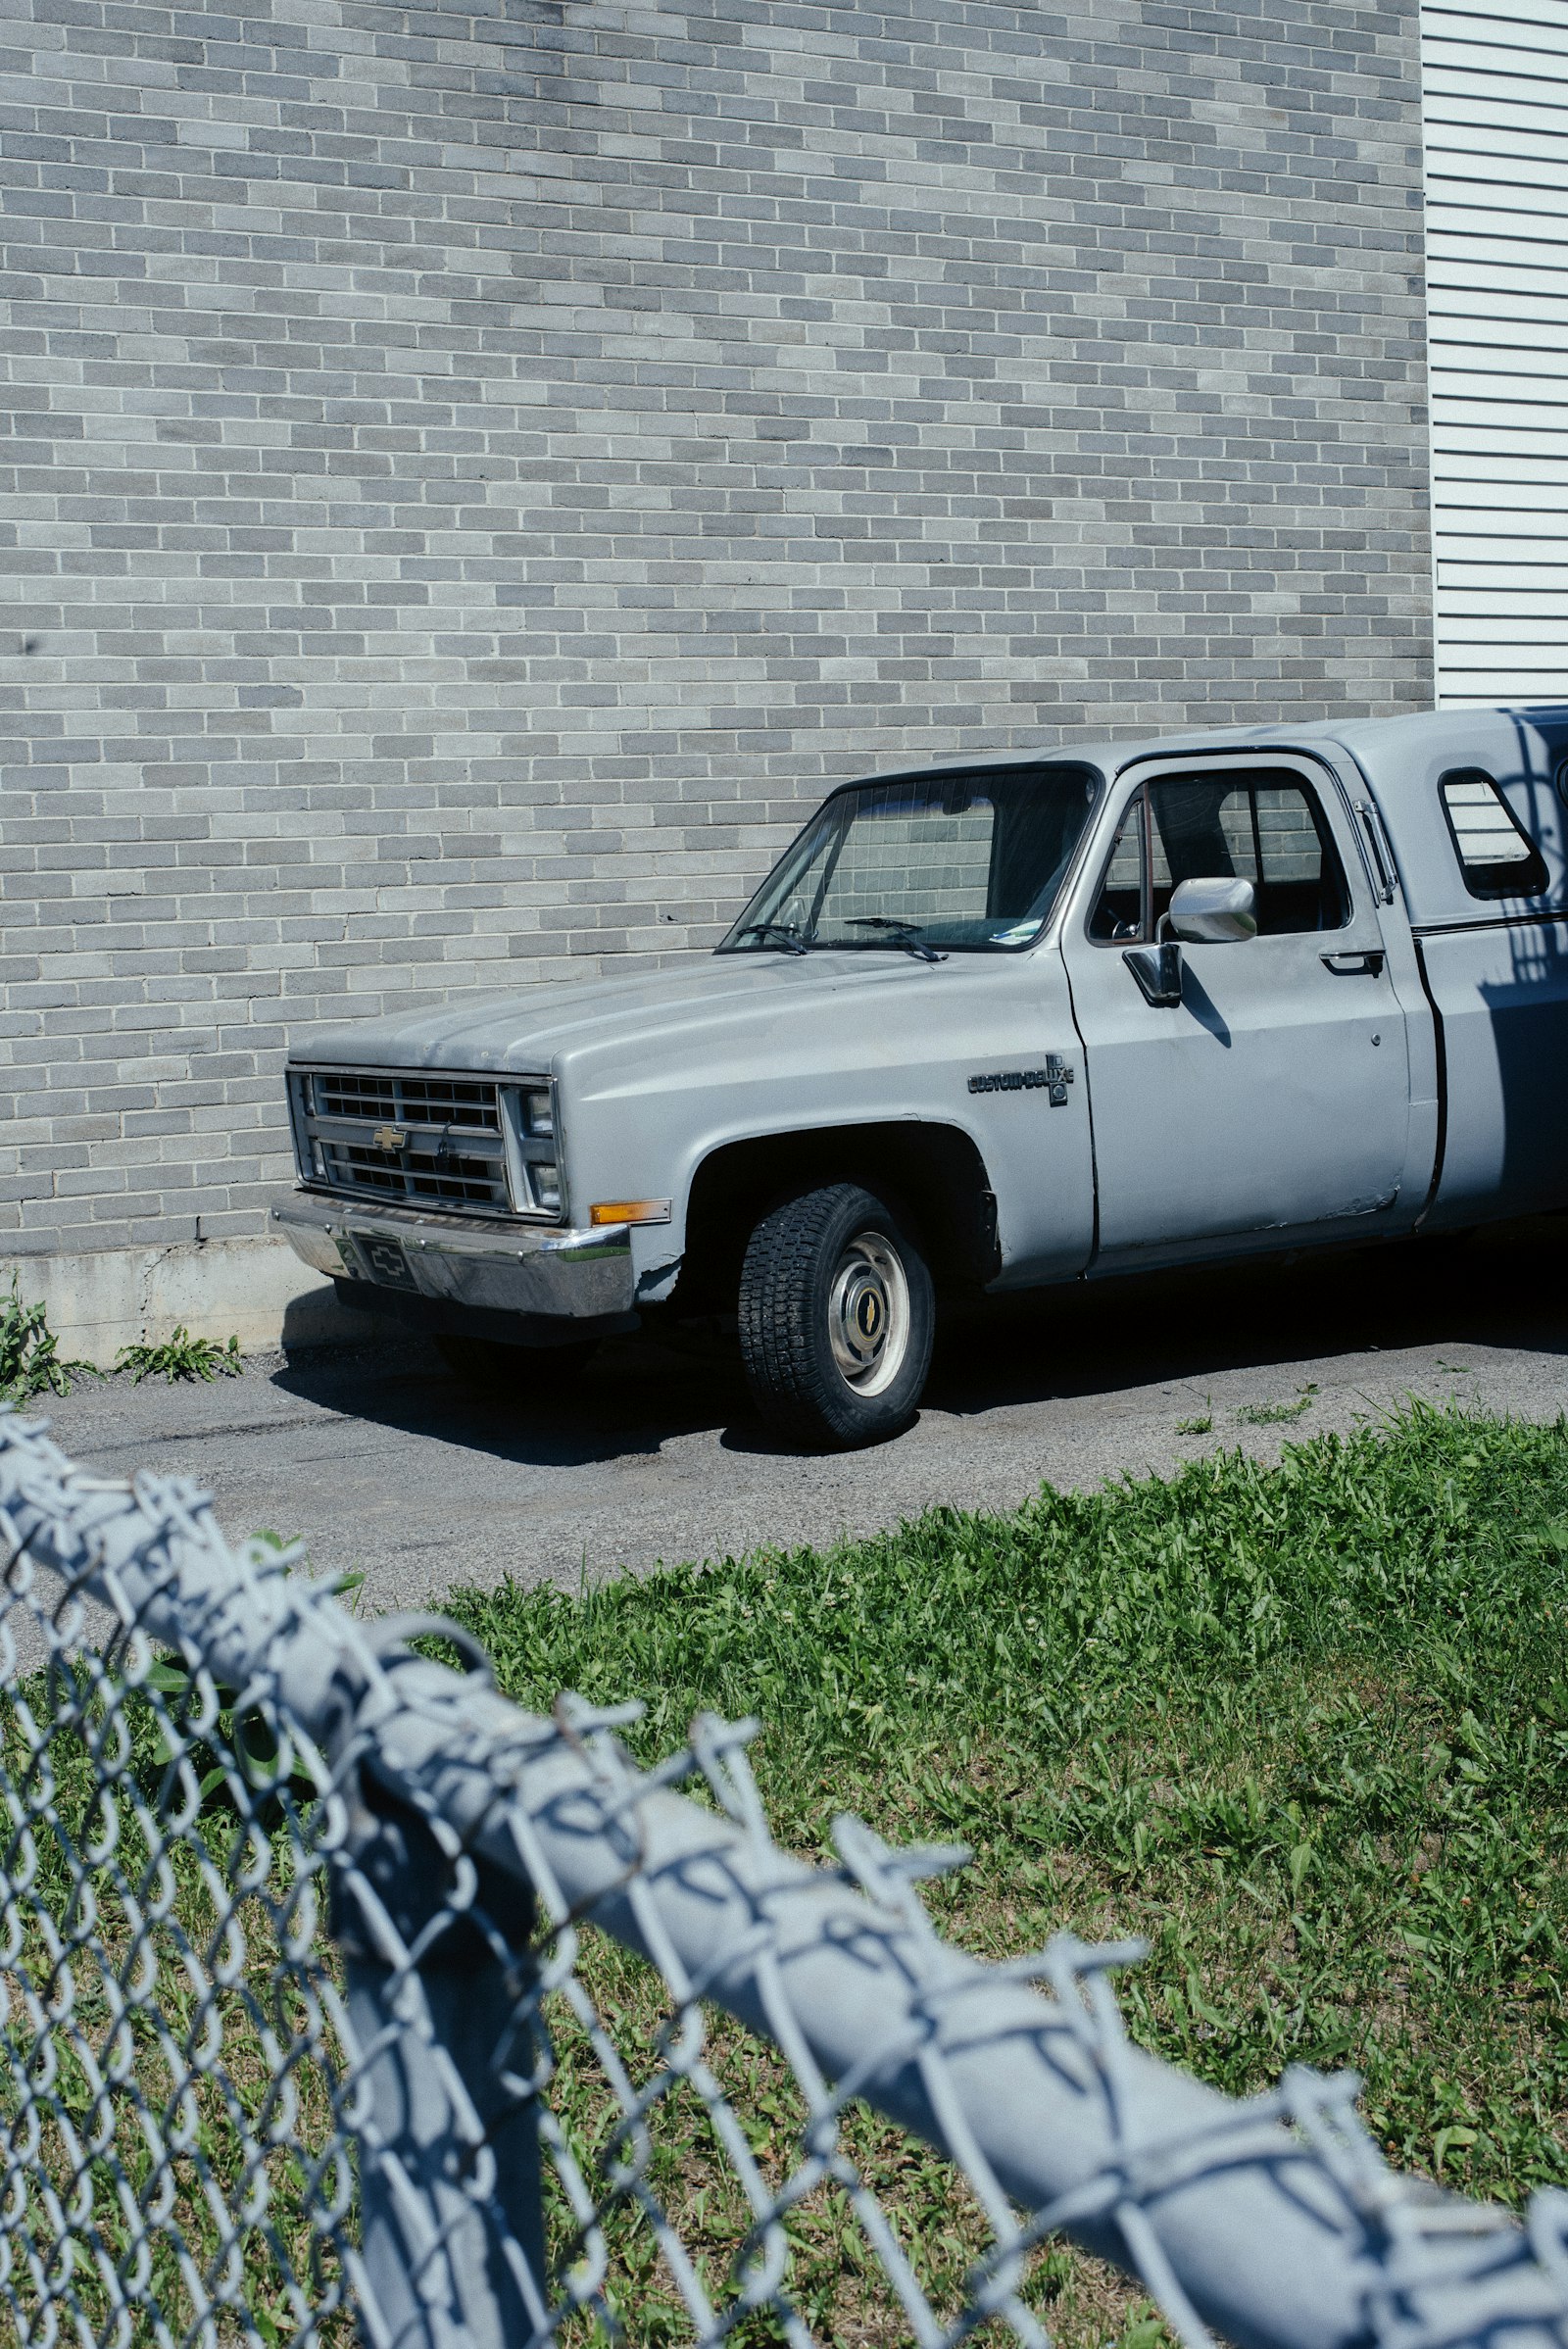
x=868, y=1313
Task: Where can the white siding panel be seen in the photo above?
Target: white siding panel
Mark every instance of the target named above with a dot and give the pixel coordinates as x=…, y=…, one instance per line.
x=1509, y=635
x=1473, y=374
x=1524, y=12
x=1483, y=688
x=1505, y=607
x=1474, y=339
x=1497, y=306
x=1477, y=483
x=1479, y=201
x=1522, y=538
x=1457, y=423
x=1459, y=444
x=1501, y=162
x=1495, y=44
x=1496, y=99
x=1481, y=581
x=1463, y=502
x=1541, y=272
x=1467, y=144
x=1535, y=97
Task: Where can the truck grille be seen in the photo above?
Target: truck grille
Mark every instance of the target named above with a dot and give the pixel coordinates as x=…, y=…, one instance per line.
x=430, y=1178
x=469, y=1102
x=404, y=1140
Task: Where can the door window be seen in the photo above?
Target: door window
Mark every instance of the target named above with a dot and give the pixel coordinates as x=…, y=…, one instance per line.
x=1265, y=829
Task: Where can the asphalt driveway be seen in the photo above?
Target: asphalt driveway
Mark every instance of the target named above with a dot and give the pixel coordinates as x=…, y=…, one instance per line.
x=382, y=1461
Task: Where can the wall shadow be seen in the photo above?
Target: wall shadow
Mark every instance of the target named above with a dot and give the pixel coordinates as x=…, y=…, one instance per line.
x=1527, y=1014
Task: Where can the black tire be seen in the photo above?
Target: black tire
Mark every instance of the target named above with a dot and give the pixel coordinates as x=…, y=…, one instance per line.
x=491, y=1367
x=833, y=1278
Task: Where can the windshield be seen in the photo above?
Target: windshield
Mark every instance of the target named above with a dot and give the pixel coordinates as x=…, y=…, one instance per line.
x=968, y=862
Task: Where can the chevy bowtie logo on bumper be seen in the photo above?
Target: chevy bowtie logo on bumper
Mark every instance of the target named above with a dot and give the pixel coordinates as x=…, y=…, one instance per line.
x=389, y=1139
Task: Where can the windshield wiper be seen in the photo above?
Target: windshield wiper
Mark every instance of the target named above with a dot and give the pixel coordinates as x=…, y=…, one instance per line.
x=907, y=935
x=777, y=932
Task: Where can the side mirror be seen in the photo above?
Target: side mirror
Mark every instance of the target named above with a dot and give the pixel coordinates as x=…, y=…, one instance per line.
x=1203, y=912
x=1212, y=912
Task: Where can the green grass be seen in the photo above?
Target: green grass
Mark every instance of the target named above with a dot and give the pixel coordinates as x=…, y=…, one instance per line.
x=1305, y=1726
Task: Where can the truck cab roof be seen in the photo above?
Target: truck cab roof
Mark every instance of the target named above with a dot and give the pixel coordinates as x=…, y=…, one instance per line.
x=1404, y=763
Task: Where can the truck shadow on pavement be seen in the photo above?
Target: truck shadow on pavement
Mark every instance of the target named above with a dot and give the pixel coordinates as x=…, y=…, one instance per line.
x=1497, y=1289
x=635, y=1398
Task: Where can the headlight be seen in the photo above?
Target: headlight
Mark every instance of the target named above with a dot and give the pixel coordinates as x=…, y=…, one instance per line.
x=534, y=1149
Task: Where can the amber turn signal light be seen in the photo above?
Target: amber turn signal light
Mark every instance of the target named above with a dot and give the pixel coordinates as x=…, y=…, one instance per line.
x=630, y=1211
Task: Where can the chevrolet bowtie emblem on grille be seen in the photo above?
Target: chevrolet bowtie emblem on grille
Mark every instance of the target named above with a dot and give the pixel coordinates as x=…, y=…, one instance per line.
x=389, y=1139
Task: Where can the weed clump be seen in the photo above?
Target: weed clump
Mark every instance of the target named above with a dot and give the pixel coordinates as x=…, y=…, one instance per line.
x=1268, y=1415
x=183, y=1357
x=30, y=1353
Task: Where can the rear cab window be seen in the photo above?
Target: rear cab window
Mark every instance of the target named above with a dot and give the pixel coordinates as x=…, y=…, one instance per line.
x=1496, y=855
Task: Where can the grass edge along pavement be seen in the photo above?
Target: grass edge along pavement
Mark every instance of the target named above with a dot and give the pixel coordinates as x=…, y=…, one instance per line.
x=1304, y=1726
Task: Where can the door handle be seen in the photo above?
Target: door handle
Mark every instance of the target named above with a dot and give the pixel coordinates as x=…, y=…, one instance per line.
x=1362, y=962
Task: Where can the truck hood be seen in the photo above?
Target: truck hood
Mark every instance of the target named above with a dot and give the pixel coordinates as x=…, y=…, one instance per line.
x=524, y=1033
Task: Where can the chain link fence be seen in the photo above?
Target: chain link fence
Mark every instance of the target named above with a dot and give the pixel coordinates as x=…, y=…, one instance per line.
x=342, y=1999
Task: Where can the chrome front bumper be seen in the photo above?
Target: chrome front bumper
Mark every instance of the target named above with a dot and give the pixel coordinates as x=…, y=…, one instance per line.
x=528, y=1269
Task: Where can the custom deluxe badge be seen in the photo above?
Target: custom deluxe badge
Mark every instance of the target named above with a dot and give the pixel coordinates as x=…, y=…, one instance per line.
x=1053, y=1079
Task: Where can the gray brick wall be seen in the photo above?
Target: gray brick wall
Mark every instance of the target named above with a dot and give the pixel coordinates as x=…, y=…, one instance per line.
x=474, y=476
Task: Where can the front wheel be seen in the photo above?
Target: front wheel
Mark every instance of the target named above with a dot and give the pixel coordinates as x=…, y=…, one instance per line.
x=836, y=1318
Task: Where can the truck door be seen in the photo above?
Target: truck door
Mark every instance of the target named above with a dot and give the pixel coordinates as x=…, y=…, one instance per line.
x=1275, y=1094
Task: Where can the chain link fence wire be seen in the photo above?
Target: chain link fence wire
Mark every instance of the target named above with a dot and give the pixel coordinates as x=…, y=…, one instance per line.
x=341, y=1999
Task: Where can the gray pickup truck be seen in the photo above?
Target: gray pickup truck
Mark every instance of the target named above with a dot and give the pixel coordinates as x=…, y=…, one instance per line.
x=988, y=1025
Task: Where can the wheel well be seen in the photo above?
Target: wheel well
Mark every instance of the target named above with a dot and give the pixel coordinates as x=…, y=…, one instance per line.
x=934, y=1172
